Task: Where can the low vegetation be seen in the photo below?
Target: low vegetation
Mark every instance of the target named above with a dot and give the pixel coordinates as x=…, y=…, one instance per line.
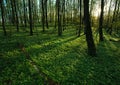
x=62, y=59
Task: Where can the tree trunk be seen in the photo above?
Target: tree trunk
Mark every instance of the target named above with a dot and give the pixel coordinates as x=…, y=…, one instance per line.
x=45, y=6
x=3, y=20
x=13, y=12
x=108, y=18
x=63, y=15
x=30, y=18
x=43, y=16
x=59, y=18
x=25, y=21
x=80, y=2
x=113, y=19
x=50, y=3
x=56, y=13
x=101, y=21
x=16, y=15
x=117, y=11
x=89, y=36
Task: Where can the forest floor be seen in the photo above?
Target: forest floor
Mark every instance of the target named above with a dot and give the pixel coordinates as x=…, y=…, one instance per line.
x=62, y=59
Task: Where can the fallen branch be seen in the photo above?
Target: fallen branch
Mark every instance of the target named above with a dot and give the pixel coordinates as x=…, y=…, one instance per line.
x=114, y=40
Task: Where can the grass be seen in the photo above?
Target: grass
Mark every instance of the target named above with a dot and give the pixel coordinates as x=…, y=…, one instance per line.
x=64, y=59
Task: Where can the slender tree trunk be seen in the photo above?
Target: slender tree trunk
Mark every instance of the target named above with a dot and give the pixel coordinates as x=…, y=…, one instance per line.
x=56, y=13
x=89, y=36
x=63, y=15
x=64, y=20
x=80, y=2
x=91, y=7
x=16, y=15
x=113, y=19
x=25, y=21
x=3, y=20
x=72, y=11
x=30, y=18
x=43, y=15
x=101, y=21
x=117, y=11
x=13, y=12
x=50, y=3
x=59, y=18
x=108, y=18
x=45, y=6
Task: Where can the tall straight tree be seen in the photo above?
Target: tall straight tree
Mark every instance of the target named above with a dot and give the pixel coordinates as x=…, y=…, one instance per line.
x=50, y=7
x=13, y=12
x=59, y=18
x=30, y=17
x=45, y=6
x=43, y=15
x=113, y=18
x=80, y=8
x=117, y=11
x=101, y=21
x=108, y=16
x=89, y=36
x=63, y=15
x=16, y=15
x=25, y=20
x=3, y=19
x=56, y=13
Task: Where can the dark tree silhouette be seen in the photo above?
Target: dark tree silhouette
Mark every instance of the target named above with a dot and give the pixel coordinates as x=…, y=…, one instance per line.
x=59, y=18
x=101, y=21
x=80, y=2
x=16, y=15
x=30, y=17
x=3, y=19
x=45, y=6
x=89, y=36
x=25, y=20
x=43, y=15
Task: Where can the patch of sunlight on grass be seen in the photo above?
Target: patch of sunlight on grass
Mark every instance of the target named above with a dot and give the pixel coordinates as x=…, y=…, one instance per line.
x=63, y=59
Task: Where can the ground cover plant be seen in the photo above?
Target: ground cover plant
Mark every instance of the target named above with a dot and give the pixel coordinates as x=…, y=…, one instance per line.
x=63, y=59
x=59, y=42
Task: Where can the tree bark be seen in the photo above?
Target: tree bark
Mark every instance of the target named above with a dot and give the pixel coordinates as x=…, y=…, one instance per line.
x=16, y=15
x=89, y=36
x=101, y=22
x=25, y=21
x=59, y=18
x=43, y=15
x=30, y=18
x=108, y=18
x=113, y=19
x=80, y=8
x=45, y=6
x=3, y=20
x=50, y=4
x=13, y=12
x=63, y=15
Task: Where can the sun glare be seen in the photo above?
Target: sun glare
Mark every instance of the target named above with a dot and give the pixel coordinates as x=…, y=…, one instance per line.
x=97, y=12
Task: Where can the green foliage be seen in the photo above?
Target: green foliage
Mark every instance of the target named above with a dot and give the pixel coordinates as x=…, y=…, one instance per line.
x=63, y=59
x=116, y=24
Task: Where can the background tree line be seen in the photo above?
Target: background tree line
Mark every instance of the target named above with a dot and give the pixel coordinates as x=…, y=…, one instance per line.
x=24, y=14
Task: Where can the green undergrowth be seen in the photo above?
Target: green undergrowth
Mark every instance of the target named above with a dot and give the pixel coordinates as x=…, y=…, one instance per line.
x=64, y=59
